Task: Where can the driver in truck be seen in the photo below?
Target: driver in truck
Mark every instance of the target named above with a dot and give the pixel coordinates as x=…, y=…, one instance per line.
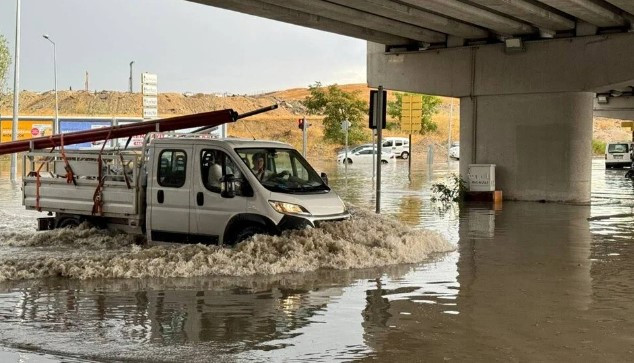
x=260, y=170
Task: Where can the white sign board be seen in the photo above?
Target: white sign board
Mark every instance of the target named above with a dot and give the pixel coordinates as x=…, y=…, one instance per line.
x=150, y=90
x=150, y=101
x=136, y=141
x=482, y=177
x=149, y=78
x=150, y=112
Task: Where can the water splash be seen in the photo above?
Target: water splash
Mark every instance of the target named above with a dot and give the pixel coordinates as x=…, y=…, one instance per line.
x=366, y=240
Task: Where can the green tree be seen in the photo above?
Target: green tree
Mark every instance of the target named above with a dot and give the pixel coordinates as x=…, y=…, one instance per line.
x=431, y=106
x=5, y=62
x=338, y=105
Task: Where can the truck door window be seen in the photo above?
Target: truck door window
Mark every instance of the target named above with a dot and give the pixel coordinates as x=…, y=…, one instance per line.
x=399, y=143
x=172, y=170
x=387, y=144
x=214, y=164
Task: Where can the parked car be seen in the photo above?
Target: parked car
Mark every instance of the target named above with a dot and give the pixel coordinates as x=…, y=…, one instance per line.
x=353, y=149
x=454, y=151
x=618, y=154
x=364, y=155
x=398, y=145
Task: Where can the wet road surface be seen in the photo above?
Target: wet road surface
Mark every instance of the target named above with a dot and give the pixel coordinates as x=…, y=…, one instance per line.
x=526, y=282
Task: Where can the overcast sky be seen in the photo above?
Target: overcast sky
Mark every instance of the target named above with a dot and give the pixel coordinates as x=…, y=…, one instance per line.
x=191, y=47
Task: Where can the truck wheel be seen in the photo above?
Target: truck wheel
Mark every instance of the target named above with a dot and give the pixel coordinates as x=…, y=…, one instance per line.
x=68, y=222
x=405, y=155
x=384, y=161
x=347, y=161
x=246, y=232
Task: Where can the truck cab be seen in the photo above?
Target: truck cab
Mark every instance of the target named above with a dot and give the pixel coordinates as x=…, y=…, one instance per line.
x=226, y=190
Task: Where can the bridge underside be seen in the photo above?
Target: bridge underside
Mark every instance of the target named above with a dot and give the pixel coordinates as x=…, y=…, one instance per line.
x=526, y=71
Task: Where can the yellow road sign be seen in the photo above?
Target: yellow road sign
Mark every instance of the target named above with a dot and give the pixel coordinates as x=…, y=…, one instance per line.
x=411, y=113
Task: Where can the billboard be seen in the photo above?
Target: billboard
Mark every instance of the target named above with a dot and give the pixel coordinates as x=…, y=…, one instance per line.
x=73, y=125
x=27, y=129
x=136, y=141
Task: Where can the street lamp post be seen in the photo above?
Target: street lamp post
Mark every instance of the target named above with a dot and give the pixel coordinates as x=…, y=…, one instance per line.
x=56, y=123
x=16, y=93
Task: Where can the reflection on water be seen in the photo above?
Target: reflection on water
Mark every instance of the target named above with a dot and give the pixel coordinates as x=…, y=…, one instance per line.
x=528, y=281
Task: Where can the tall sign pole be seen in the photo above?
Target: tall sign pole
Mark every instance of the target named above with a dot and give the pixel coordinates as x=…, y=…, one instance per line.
x=16, y=92
x=379, y=141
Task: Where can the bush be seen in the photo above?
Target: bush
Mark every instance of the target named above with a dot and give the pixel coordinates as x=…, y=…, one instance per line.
x=598, y=147
x=453, y=190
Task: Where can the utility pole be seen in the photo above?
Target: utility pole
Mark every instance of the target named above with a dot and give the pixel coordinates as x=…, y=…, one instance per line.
x=130, y=79
x=56, y=122
x=16, y=92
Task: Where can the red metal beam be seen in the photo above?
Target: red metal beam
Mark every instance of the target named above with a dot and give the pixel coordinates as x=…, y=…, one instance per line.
x=207, y=119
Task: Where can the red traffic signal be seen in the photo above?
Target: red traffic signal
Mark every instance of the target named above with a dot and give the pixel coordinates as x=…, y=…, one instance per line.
x=300, y=123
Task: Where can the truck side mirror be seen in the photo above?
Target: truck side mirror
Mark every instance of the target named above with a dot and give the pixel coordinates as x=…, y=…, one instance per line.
x=228, y=186
x=324, y=177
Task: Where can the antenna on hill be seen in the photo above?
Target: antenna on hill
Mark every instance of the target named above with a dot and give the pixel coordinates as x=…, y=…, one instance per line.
x=86, y=82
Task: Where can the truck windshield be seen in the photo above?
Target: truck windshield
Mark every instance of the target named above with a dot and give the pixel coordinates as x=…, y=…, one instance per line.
x=617, y=148
x=282, y=170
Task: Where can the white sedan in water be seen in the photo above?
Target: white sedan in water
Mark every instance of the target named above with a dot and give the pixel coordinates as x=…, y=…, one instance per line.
x=364, y=155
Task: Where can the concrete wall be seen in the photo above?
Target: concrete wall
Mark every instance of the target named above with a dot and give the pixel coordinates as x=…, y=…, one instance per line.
x=541, y=143
x=584, y=64
x=621, y=108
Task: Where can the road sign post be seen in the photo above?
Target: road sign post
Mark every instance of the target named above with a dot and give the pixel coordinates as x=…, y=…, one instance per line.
x=378, y=101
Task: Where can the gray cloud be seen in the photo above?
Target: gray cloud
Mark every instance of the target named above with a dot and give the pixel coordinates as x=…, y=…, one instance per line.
x=191, y=47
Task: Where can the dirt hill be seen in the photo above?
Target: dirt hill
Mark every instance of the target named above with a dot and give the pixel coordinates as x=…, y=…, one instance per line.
x=280, y=124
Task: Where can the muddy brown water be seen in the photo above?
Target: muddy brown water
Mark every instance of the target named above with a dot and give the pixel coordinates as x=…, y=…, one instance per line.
x=527, y=282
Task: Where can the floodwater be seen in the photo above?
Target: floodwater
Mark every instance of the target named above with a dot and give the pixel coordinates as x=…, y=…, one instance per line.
x=524, y=282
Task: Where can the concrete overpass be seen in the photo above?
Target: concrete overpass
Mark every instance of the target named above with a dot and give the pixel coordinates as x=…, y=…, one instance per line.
x=526, y=71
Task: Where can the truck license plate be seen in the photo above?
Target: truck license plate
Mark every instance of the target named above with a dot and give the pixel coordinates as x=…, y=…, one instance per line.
x=618, y=156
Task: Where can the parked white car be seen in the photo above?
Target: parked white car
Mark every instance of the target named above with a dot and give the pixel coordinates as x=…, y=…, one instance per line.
x=454, y=151
x=364, y=155
x=398, y=145
x=353, y=149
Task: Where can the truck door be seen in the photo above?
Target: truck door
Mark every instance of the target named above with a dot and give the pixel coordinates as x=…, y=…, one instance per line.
x=212, y=212
x=169, y=194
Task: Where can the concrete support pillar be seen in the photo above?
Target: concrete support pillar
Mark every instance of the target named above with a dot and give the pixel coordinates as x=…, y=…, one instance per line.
x=540, y=143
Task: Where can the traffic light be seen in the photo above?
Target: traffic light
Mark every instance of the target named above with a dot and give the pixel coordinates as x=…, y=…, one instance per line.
x=300, y=123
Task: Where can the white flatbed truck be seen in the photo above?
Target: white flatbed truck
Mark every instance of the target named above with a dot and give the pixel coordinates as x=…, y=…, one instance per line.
x=186, y=189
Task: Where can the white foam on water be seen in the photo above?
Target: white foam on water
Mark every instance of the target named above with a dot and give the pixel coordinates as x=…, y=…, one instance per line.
x=366, y=240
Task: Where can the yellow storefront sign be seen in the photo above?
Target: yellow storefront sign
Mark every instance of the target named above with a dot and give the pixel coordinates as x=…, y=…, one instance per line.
x=27, y=129
x=411, y=113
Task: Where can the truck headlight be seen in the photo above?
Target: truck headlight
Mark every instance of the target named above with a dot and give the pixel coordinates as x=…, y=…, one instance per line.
x=288, y=208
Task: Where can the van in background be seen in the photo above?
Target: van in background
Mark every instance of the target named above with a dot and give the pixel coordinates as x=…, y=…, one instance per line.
x=398, y=145
x=618, y=154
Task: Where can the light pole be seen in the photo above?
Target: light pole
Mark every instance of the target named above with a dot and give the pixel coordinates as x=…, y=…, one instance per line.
x=130, y=83
x=56, y=122
x=16, y=92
